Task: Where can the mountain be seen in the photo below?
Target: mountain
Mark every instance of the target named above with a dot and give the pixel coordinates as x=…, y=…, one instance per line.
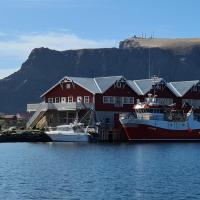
x=177, y=59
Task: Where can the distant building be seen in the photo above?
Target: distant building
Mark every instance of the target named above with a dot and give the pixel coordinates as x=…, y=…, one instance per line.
x=8, y=120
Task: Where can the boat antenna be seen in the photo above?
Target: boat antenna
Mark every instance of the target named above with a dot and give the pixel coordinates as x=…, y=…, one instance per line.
x=154, y=85
x=149, y=63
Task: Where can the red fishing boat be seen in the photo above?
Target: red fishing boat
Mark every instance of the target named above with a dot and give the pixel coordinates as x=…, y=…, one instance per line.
x=151, y=121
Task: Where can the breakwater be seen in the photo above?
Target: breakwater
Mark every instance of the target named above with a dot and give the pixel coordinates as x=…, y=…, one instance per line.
x=25, y=136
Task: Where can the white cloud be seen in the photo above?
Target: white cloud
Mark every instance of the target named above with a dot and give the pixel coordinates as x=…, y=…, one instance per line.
x=21, y=45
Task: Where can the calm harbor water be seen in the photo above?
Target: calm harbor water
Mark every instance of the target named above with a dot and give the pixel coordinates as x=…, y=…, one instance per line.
x=100, y=171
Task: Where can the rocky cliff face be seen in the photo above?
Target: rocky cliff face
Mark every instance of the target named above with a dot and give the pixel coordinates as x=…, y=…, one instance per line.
x=178, y=44
x=44, y=67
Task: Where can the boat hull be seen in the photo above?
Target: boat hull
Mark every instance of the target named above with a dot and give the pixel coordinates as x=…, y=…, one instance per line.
x=68, y=138
x=147, y=132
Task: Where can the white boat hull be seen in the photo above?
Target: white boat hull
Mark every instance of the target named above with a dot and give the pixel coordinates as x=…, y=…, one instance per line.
x=68, y=138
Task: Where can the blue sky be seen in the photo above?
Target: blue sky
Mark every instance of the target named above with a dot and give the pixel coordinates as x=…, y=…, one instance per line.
x=74, y=24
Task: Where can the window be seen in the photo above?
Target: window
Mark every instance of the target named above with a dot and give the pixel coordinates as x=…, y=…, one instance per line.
x=118, y=101
x=70, y=99
x=112, y=100
x=193, y=102
x=106, y=99
x=164, y=101
x=128, y=100
x=57, y=100
x=118, y=84
x=109, y=99
x=131, y=100
x=68, y=86
x=125, y=100
x=50, y=100
x=79, y=99
x=63, y=99
x=194, y=89
x=86, y=99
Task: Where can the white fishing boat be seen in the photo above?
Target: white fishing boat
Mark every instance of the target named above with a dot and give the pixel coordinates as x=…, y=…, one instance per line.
x=73, y=132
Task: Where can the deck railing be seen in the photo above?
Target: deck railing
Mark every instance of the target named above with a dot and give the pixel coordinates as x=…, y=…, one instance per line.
x=59, y=106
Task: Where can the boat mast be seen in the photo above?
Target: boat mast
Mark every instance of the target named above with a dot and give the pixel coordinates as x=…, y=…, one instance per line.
x=149, y=63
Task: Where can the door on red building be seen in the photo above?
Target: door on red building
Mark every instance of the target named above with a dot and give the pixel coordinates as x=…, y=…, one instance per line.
x=79, y=99
x=63, y=99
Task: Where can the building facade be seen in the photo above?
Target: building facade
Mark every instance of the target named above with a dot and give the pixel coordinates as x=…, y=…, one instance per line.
x=73, y=97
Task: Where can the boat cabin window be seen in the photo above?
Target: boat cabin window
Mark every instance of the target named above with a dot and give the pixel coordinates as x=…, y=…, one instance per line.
x=66, y=128
x=149, y=110
x=78, y=129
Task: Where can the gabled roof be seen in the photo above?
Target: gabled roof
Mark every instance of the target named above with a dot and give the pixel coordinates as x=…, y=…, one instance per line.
x=104, y=83
x=141, y=87
x=145, y=85
x=182, y=87
x=173, y=89
x=93, y=85
x=135, y=87
x=87, y=83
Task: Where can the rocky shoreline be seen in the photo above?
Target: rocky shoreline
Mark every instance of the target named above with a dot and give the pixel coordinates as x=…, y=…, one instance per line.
x=25, y=136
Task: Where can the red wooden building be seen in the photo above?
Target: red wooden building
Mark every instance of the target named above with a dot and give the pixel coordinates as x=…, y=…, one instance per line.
x=108, y=96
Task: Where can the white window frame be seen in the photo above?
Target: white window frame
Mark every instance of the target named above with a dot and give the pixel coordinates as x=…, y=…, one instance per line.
x=112, y=100
x=63, y=98
x=68, y=85
x=119, y=102
x=125, y=100
x=70, y=99
x=50, y=100
x=164, y=101
x=86, y=99
x=118, y=84
x=130, y=100
x=57, y=99
x=79, y=99
x=106, y=99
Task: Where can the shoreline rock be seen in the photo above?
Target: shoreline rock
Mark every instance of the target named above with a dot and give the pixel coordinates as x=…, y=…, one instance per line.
x=24, y=137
